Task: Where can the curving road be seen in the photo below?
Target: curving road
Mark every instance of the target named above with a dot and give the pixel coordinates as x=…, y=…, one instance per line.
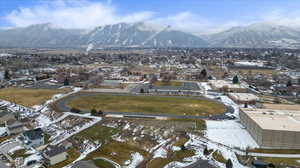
x=61, y=106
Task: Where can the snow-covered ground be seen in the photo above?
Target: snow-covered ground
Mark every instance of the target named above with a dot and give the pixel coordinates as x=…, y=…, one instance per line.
x=16, y=148
x=66, y=134
x=89, y=147
x=42, y=120
x=229, y=133
x=160, y=153
x=137, y=158
x=228, y=102
x=3, y=130
x=205, y=86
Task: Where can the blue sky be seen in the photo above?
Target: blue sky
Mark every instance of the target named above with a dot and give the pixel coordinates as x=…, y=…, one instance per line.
x=196, y=16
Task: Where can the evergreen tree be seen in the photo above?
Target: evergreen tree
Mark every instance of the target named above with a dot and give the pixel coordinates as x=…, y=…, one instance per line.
x=229, y=164
x=93, y=112
x=203, y=73
x=235, y=79
x=183, y=147
x=6, y=75
x=206, y=152
x=246, y=105
x=66, y=82
x=289, y=83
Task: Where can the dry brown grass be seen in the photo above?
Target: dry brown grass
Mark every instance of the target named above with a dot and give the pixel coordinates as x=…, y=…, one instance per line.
x=29, y=97
x=147, y=104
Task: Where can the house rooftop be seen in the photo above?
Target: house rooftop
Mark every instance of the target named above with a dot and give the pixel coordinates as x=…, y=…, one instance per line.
x=34, y=134
x=13, y=124
x=270, y=119
x=3, y=113
x=54, y=150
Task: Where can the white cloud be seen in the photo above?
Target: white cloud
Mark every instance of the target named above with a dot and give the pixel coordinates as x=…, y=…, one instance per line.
x=195, y=24
x=73, y=14
x=88, y=14
x=282, y=17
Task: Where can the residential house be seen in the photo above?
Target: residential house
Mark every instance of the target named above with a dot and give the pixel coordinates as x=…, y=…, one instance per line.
x=14, y=127
x=5, y=116
x=55, y=154
x=33, y=138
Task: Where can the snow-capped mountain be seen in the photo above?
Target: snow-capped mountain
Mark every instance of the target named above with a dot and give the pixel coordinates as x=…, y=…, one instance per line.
x=41, y=35
x=262, y=35
x=122, y=34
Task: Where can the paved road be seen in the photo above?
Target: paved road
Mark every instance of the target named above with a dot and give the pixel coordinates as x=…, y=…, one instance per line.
x=61, y=105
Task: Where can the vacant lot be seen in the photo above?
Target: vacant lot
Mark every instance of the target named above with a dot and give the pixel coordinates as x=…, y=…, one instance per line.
x=147, y=104
x=29, y=97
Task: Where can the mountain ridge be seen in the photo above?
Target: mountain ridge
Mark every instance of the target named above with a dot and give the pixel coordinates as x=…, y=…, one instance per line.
x=141, y=34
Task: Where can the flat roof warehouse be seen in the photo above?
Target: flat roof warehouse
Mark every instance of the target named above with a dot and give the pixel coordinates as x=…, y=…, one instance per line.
x=270, y=119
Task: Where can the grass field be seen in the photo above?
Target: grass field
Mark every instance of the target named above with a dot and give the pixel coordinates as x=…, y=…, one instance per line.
x=28, y=97
x=97, y=132
x=121, y=150
x=147, y=104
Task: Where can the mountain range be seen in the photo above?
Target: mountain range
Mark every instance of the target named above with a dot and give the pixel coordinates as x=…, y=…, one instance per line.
x=141, y=34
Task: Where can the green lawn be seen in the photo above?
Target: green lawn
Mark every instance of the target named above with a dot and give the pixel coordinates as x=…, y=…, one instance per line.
x=147, y=104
